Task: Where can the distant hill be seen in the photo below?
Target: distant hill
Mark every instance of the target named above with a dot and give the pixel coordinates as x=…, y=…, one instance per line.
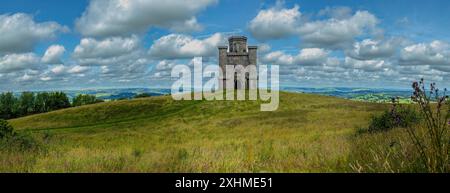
x=359, y=94
x=378, y=95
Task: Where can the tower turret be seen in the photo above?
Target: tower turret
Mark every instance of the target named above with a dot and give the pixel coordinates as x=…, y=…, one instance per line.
x=237, y=44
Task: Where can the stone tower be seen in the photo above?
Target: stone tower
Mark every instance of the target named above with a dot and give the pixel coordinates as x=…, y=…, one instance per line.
x=237, y=53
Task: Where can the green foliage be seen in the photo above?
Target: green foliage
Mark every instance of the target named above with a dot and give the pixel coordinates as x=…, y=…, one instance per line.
x=26, y=102
x=58, y=100
x=142, y=95
x=404, y=117
x=20, y=142
x=158, y=134
x=6, y=130
x=85, y=99
x=11, y=140
x=8, y=106
x=426, y=145
x=29, y=103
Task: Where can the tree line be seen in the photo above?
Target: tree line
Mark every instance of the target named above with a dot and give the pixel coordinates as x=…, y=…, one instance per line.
x=29, y=103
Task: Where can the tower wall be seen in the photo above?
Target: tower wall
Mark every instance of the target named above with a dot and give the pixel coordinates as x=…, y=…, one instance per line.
x=252, y=54
x=237, y=53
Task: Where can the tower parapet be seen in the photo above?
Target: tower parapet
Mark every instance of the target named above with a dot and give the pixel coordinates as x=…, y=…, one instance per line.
x=237, y=53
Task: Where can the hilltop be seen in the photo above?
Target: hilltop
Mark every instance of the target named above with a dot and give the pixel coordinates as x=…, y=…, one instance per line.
x=308, y=133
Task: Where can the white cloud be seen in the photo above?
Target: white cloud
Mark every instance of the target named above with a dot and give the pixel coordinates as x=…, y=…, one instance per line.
x=116, y=58
x=275, y=23
x=53, y=54
x=366, y=65
x=312, y=56
x=162, y=69
x=20, y=33
x=186, y=26
x=109, y=47
x=278, y=58
x=178, y=46
x=165, y=65
x=264, y=48
x=124, y=17
x=124, y=52
x=77, y=69
x=46, y=78
x=306, y=57
x=26, y=78
x=17, y=62
x=336, y=12
x=436, y=53
x=372, y=49
x=59, y=69
x=337, y=33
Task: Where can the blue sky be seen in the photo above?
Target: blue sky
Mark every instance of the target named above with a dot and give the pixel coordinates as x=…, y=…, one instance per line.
x=51, y=45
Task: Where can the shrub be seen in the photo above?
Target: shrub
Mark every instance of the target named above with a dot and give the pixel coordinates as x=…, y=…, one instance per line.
x=6, y=130
x=397, y=117
x=142, y=95
x=11, y=140
x=85, y=99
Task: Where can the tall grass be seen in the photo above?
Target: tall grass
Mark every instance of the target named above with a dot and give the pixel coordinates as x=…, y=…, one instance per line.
x=158, y=134
x=407, y=139
x=308, y=133
x=433, y=143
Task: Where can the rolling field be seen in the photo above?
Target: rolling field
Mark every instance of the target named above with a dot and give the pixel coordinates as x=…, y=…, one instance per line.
x=308, y=133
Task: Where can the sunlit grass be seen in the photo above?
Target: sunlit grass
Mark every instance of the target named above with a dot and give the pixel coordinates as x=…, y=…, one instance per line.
x=308, y=133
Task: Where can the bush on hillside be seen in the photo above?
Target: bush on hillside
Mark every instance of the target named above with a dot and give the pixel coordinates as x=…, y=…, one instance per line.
x=427, y=131
x=6, y=130
x=142, y=95
x=397, y=117
x=85, y=99
x=11, y=140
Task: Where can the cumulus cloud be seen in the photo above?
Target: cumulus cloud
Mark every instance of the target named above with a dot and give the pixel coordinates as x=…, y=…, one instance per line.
x=20, y=33
x=53, y=54
x=366, y=65
x=337, y=33
x=264, y=48
x=165, y=65
x=306, y=57
x=186, y=26
x=26, y=78
x=278, y=58
x=178, y=46
x=126, y=71
x=435, y=53
x=336, y=12
x=369, y=49
x=124, y=17
x=119, y=57
x=162, y=69
x=339, y=30
x=106, y=48
x=275, y=23
x=116, y=59
x=59, y=70
x=77, y=69
x=16, y=62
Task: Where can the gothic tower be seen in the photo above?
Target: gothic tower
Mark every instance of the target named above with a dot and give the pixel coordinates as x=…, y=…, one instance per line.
x=237, y=53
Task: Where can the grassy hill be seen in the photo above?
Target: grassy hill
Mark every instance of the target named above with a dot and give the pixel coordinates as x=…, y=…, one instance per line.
x=308, y=133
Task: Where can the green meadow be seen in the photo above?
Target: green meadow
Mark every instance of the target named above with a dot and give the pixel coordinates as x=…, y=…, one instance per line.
x=308, y=133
